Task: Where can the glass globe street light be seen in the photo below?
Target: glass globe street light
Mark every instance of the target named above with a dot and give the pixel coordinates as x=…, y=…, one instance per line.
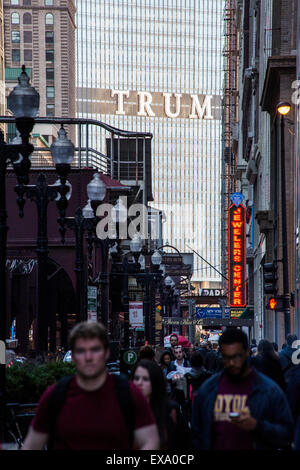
x=62, y=151
x=96, y=191
x=156, y=258
x=168, y=281
x=142, y=262
x=136, y=244
x=87, y=211
x=24, y=101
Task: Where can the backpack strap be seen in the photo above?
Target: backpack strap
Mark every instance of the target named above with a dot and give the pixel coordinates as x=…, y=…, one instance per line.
x=55, y=404
x=125, y=401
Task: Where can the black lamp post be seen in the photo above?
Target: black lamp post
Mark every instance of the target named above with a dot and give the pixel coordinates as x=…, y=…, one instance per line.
x=85, y=220
x=149, y=278
x=41, y=193
x=23, y=101
x=283, y=109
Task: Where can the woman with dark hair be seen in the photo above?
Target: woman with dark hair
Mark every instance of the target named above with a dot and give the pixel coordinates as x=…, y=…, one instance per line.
x=267, y=362
x=165, y=360
x=173, y=431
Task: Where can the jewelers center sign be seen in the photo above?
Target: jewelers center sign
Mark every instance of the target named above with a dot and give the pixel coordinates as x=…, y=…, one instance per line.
x=237, y=256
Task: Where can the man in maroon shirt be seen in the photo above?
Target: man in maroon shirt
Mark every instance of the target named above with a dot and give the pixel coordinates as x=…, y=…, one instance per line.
x=91, y=417
x=239, y=408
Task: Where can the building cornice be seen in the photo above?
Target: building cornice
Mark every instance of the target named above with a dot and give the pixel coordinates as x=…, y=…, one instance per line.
x=277, y=65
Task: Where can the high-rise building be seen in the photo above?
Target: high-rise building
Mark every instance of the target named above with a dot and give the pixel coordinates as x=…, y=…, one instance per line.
x=2, y=82
x=156, y=66
x=41, y=35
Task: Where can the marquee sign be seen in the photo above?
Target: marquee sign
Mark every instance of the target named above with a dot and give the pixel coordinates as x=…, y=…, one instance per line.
x=237, y=256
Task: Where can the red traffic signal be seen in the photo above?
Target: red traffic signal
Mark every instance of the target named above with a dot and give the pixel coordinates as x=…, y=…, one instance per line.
x=272, y=303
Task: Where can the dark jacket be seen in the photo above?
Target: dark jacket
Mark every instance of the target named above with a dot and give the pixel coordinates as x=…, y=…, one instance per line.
x=268, y=405
x=285, y=358
x=270, y=367
x=213, y=361
x=197, y=376
x=293, y=389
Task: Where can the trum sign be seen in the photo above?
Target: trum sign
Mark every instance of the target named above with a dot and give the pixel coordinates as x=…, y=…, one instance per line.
x=237, y=256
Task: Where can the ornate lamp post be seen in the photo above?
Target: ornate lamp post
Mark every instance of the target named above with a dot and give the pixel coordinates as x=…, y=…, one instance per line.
x=41, y=193
x=23, y=101
x=85, y=220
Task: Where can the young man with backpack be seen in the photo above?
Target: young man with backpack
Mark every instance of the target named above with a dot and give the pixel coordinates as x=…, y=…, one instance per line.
x=92, y=410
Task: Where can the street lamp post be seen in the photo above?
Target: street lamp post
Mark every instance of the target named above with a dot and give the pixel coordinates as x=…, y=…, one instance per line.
x=42, y=193
x=283, y=109
x=84, y=220
x=23, y=101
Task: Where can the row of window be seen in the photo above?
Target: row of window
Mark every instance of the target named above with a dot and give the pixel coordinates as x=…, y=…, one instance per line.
x=28, y=2
x=27, y=36
x=16, y=56
x=27, y=18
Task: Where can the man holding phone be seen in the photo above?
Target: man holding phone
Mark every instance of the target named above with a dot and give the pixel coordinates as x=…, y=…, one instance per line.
x=240, y=408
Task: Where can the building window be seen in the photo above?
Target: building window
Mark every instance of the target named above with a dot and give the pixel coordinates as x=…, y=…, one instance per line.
x=15, y=55
x=27, y=55
x=50, y=110
x=14, y=2
x=15, y=36
x=49, y=18
x=27, y=18
x=27, y=37
x=49, y=74
x=50, y=92
x=49, y=37
x=15, y=19
x=48, y=2
x=26, y=3
x=49, y=55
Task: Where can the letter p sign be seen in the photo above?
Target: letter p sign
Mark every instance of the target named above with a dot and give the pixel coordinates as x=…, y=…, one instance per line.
x=130, y=357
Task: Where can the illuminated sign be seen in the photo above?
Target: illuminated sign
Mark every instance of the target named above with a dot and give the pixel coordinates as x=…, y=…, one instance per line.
x=154, y=104
x=237, y=256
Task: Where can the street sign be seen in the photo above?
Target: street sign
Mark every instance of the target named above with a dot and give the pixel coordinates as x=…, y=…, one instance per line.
x=130, y=357
x=210, y=312
x=209, y=322
x=210, y=292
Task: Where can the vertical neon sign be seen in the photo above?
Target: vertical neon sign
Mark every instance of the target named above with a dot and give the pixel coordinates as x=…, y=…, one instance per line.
x=237, y=296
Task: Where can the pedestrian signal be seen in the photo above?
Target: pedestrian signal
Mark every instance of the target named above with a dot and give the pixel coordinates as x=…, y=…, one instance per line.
x=272, y=303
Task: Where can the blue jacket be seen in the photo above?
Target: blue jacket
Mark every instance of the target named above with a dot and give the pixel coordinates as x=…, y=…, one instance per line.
x=268, y=405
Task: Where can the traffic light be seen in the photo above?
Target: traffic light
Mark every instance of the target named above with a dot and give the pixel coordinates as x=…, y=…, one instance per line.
x=270, y=278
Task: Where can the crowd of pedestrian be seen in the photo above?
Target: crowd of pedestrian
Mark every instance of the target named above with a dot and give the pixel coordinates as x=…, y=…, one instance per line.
x=225, y=395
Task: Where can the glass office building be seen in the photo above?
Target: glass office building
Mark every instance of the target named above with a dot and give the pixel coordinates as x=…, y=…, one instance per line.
x=156, y=66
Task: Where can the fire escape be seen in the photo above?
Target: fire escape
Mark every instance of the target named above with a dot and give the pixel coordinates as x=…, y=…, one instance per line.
x=229, y=120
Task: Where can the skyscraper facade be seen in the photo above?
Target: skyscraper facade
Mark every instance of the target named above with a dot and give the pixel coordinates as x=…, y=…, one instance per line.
x=156, y=66
x=41, y=35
